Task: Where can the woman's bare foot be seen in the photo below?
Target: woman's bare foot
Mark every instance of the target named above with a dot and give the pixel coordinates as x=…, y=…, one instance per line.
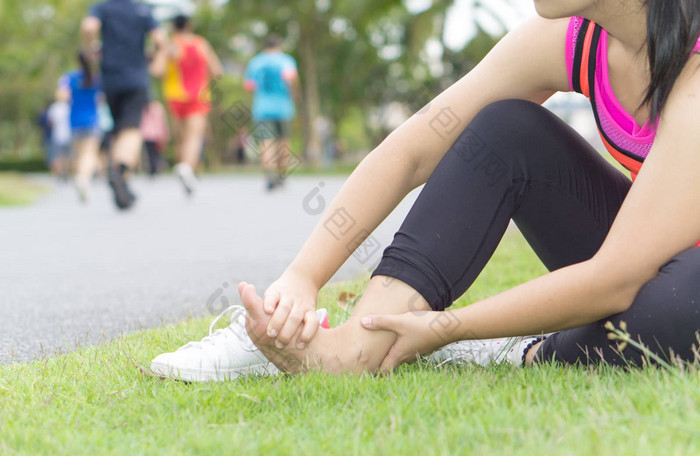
x=348, y=348
x=317, y=355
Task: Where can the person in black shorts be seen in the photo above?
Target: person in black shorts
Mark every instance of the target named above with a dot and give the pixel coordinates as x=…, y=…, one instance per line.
x=123, y=26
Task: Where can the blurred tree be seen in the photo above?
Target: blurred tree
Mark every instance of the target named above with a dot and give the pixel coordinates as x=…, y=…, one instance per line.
x=355, y=58
x=332, y=43
x=38, y=41
x=361, y=54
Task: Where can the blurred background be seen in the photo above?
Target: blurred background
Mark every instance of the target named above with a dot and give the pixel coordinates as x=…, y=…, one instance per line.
x=364, y=66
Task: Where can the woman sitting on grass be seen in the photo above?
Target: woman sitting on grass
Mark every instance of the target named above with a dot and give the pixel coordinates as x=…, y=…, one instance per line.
x=618, y=251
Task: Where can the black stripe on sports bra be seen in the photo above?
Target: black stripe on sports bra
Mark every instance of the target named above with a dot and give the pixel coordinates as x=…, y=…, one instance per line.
x=578, y=56
x=592, y=65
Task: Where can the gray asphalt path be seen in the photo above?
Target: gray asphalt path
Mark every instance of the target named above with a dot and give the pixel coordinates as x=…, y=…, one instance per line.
x=74, y=274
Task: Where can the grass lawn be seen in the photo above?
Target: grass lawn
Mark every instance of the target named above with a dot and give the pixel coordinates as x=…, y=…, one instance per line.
x=17, y=190
x=97, y=401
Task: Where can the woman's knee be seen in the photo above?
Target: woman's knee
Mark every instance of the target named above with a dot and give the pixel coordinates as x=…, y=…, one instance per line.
x=506, y=118
x=507, y=132
x=509, y=110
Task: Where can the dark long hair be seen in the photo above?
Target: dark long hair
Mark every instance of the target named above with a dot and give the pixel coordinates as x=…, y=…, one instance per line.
x=673, y=27
x=87, y=71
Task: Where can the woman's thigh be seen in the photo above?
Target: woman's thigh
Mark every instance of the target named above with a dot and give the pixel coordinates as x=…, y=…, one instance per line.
x=664, y=317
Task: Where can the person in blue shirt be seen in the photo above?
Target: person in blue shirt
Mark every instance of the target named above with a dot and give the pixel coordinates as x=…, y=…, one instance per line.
x=124, y=26
x=82, y=87
x=272, y=77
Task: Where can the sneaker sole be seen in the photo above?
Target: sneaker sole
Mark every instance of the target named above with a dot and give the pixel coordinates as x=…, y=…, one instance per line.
x=199, y=375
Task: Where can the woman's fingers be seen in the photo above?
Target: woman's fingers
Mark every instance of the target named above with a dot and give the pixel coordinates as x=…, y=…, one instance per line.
x=398, y=354
x=280, y=316
x=392, y=359
x=295, y=318
x=386, y=323
x=311, y=324
x=381, y=322
x=271, y=300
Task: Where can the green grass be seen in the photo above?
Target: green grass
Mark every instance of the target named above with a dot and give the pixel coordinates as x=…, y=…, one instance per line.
x=97, y=401
x=18, y=190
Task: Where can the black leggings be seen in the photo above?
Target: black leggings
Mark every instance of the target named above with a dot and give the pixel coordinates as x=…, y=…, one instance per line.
x=516, y=160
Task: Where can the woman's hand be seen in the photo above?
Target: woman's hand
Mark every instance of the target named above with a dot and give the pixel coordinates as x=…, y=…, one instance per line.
x=418, y=333
x=291, y=300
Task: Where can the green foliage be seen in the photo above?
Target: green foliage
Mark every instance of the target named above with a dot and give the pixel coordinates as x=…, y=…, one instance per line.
x=38, y=42
x=355, y=56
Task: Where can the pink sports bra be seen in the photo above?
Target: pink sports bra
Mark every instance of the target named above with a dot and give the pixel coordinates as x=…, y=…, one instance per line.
x=587, y=66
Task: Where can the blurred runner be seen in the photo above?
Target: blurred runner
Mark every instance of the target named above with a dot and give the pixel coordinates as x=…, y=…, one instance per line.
x=124, y=26
x=156, y=134
x=191, y=64
x=272, y=76
x=58, y=117
x=81, y=86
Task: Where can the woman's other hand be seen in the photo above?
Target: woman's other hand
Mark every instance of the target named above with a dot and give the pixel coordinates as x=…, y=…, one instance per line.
x=417, y=333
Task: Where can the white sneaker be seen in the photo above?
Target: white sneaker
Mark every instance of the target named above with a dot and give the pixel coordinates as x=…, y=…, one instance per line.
x=187, y=177
x=223, y=355
x=484, y=352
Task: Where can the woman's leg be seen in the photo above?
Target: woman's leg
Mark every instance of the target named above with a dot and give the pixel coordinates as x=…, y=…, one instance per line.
x=178, y=125
x=664, y=317
x=87, y=149
x=194, y=128
x=515, y=160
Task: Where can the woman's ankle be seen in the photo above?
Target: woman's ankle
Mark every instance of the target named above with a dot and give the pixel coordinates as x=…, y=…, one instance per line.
x=345, y=349
x=531, y=354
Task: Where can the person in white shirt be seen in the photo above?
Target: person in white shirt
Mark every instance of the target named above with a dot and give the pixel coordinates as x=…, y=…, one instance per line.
x=59, y=150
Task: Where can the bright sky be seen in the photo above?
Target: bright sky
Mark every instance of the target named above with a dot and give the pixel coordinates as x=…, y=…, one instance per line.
x=462, y=16
x=460, y=27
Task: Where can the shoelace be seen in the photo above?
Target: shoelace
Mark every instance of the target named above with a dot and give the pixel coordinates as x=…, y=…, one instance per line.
x=236, y=328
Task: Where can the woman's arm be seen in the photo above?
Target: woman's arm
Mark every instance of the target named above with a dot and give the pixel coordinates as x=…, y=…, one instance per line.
x=659, y=219
x=529, y=64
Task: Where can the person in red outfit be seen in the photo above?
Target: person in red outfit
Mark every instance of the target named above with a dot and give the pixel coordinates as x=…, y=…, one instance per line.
x=191, y=65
